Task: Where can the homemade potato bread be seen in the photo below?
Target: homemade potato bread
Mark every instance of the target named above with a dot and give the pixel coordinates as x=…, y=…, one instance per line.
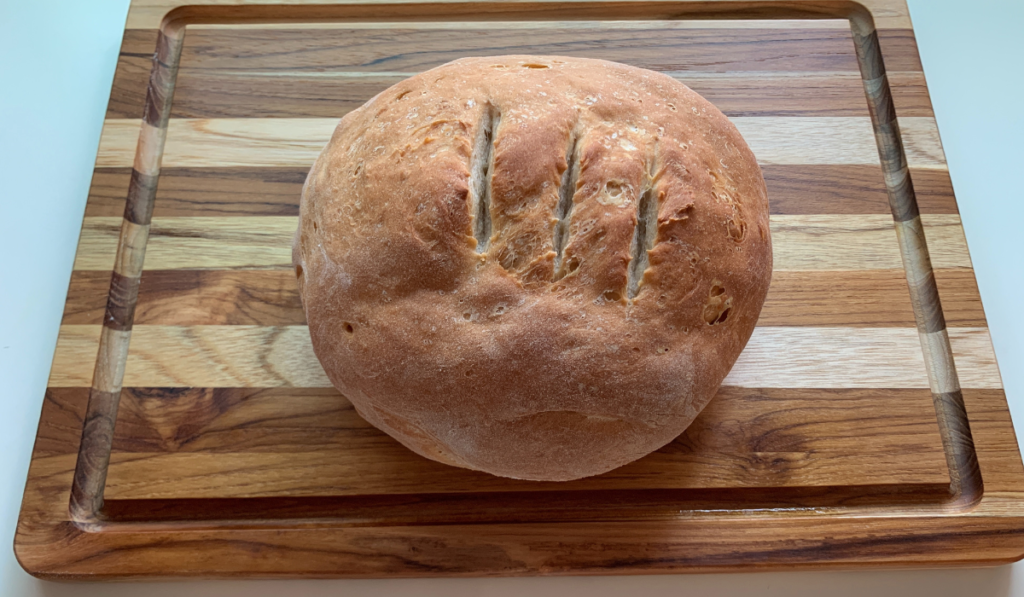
x=540, y=267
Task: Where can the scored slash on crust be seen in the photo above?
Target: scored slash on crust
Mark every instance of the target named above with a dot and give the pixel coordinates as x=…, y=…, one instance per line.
x=645, y=229
x=645, y=232
x=481, y=171
x=566, y=200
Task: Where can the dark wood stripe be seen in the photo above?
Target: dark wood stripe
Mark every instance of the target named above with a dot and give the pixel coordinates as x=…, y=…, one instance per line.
x=967, y=484
x=94, y=455
x=234, y=74
x=869, y=52
x=205, y=191
x=901, y=185
x=885, y=112
x=902, y=197
x=275, y=191
x=60, y=425
x=873, y=298
x=899, y=46
x=932, y=317
x=138, y=208
x=961, y=300
x=121, y=302
x=516, y=506
x=161, y=84
x=131, y=77
x=798, y=190
x=890, y=145
x=254, y=95
x=151, y=109
x=744, y=438
x=988, y=412
x=904, y=211
x=738, y=420
x=414, y=50
x=220, y=297
x=64, y=409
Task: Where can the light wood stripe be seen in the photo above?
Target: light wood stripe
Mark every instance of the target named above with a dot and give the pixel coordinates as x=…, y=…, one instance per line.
x=111, y=360
x=149, y=143
x=272, y=142
x=856, y=358
x=131, y=247
x=800, y=242
x=140, y=193
x=860, y=242
x=148, y=14
x=775, y=357
x=920, y=278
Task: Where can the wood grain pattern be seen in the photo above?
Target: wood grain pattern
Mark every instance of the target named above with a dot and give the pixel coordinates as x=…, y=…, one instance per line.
x=792, y=190
x=374, y=467
x=216, y=420
x=659, y=48
x=224, y=73
x=867, y=298
x=804, y=242
x=281, y=142
x=747, y=437
x=258, y=356
x=241, y=94
x=148, y=14
x=841, y=438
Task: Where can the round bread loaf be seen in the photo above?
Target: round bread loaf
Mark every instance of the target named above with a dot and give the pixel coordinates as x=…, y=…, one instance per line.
x=540, y=267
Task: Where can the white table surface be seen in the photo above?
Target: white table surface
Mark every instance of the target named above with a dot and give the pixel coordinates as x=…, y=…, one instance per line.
x=57, y=62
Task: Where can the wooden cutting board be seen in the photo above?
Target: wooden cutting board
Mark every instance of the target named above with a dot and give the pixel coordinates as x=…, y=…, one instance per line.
x=864, y=425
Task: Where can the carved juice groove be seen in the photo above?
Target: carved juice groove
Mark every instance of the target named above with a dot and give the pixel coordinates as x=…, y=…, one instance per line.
x=966, y=486
x=481, y=174
x=101, y=412
x=566, y=200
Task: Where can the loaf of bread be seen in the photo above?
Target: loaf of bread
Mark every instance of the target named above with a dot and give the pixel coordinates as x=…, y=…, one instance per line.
x=539, y=267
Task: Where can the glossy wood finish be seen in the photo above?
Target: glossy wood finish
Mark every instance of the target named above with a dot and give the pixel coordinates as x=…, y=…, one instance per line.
x=189, y=431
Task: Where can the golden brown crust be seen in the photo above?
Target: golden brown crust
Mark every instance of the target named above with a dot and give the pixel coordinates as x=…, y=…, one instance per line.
x=533, y=359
